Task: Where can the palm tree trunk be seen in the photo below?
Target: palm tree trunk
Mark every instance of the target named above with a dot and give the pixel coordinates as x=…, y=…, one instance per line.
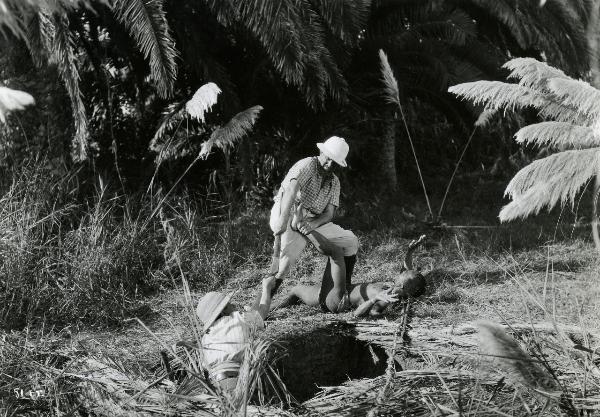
x=245, y=155
x=388, y=151
x=593, y=36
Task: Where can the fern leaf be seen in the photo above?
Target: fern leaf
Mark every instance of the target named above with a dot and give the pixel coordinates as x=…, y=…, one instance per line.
x=147, y=24
x=172, y=116
x=495, y=95
x=202, y=101
x=11, y=100
x=578, y=94
x=546, y=182
x=559, y=135
x=392, y=94
x=532, y=73
x=553, y=109
x=64, y=56
x=485, y=118
x=225, y=136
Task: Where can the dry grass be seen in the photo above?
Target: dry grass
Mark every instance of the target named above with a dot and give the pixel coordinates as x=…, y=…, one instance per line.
x=79, y=260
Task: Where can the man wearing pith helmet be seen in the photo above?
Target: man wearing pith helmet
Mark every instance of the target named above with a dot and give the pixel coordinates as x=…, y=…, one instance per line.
x=227, y=333
x=304, y=207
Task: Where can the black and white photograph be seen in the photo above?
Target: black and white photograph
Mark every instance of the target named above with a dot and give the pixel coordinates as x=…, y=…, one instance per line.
x=297, y=208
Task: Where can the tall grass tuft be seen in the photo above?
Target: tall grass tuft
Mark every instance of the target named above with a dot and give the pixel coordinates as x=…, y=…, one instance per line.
x=518, y=366
x=71, y=255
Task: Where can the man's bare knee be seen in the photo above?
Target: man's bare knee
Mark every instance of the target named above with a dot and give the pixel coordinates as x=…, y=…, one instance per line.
x=335, y=253
x=335, y=301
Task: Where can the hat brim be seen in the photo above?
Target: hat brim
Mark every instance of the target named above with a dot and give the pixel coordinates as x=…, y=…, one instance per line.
x=218, y=310
x=323, y=149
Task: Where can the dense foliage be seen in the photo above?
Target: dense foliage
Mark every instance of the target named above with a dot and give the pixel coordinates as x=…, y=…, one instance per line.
x=126, y=67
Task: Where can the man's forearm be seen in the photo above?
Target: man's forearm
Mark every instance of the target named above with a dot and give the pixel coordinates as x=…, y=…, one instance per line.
x=289, y=194
x=364, y=308
x=265, y=303
x=322, y=218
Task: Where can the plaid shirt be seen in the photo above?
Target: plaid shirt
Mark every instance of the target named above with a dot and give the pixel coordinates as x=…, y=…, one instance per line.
x=316, y=190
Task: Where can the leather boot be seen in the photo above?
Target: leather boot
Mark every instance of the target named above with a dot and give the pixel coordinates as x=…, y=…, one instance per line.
x=350, y=261
x=326, y=285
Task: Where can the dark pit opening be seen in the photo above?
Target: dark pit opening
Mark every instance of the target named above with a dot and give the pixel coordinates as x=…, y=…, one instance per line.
x=328, y=356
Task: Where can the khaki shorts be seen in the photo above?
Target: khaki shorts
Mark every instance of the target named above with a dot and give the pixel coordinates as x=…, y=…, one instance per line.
x=325, y=238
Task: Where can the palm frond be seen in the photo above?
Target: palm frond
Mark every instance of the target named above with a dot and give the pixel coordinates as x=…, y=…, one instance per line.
x=11, y=100
x=345, y=18
x=64, y=56
x=578, y=94
x=14, y=13
x=546, y=182
x=278, y=27
x=147, y=24
x=225, y=136
x=322, y=76
x=454, y=29
x=202, y=101
x=504, y=12
x=559, y=135
x=390, y=84
x=39, y=35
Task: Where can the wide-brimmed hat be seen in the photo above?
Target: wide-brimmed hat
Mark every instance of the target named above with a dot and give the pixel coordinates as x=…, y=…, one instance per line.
x=210, y=306
x=335, y=148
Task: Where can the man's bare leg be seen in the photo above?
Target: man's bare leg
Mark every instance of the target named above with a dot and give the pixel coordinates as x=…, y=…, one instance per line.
x=306, y=294
x=338, y=274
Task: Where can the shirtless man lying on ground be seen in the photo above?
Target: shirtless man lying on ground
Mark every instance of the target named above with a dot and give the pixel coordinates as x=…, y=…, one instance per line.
x=366, y=298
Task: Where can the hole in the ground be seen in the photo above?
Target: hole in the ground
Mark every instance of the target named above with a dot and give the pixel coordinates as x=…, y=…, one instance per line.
x=325, y=357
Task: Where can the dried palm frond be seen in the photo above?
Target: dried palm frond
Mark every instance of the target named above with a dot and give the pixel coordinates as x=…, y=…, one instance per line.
x=202, y=101
x=578, y=94
x=532, y=73
x=573, y=107
x=225, y=137
x=11, y=100
x=518, y=366
x=495, y=95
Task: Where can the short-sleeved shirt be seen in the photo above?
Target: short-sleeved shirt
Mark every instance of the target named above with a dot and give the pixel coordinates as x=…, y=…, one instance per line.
x=316, y=188
x=228, y=337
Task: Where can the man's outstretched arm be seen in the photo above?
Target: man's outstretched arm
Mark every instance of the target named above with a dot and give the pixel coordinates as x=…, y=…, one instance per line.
x=265, y=298
x=383, y=299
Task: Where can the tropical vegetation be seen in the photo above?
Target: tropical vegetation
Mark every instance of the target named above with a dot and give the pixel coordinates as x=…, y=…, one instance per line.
x=140, y=145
